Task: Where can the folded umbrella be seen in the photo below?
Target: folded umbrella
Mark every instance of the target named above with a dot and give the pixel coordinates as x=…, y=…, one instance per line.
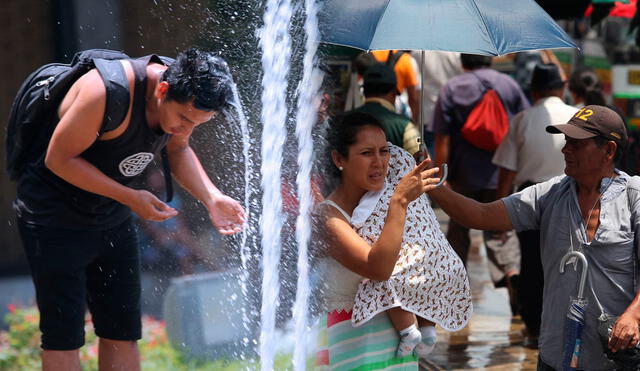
x=575, y=317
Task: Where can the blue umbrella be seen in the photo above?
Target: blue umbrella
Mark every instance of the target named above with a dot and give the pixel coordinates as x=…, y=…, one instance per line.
x=575, y=317
x=487, y=27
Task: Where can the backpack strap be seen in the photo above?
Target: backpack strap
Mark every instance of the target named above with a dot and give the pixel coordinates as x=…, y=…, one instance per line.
x=393, y=58
x=118, y=95
x=485, y=84
x=166, y=168
x=118, y=101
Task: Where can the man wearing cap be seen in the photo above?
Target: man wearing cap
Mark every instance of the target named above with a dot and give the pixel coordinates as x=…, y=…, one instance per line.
x=380, y=92
x=526, y=156
x=591, y=209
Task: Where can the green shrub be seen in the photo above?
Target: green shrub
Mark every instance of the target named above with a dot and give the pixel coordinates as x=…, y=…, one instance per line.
x=20, y=348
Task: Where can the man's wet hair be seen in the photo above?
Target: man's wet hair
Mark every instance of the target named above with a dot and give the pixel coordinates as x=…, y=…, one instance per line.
x=473, y=61
x=199, y=77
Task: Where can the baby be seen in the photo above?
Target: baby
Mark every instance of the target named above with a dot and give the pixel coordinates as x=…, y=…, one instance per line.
x=429, y=284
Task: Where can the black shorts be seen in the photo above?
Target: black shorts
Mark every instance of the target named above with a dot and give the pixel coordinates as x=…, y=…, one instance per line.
x=72, y=269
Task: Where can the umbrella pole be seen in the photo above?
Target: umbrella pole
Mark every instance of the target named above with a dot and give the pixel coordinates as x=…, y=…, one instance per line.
x=420, y=105
x=423, y=146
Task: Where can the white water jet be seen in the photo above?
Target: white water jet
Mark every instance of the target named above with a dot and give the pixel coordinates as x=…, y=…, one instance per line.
x=245, y=242
x=275, y=43
x=308, y=101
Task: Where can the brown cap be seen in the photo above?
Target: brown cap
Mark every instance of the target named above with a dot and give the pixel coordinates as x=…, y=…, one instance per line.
x=592, y=121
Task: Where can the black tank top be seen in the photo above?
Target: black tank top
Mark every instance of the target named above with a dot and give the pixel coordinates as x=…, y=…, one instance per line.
x=46, y=199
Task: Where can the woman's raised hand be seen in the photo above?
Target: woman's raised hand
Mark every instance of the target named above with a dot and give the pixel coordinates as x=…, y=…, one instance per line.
x=417, y=181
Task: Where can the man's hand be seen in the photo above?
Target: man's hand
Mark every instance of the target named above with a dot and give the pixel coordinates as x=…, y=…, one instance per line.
x=625, y=333
x=149, y=207
x=226, y=214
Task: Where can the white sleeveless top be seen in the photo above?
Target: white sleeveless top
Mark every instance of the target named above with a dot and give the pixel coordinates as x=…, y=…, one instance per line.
x=340, y=284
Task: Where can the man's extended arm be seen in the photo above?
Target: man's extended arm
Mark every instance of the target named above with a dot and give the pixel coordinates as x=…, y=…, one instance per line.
x=491, y=216
x=226, y=214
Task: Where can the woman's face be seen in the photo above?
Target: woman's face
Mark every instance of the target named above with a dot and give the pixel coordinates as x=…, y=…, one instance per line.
x=368, y=160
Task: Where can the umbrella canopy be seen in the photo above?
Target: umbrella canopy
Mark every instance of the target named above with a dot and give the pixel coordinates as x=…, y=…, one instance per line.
x=486, y=27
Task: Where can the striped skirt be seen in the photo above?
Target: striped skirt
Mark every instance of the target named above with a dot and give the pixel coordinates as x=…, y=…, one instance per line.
x=371, y=346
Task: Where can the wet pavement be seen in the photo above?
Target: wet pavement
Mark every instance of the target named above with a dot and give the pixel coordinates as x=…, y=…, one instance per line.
x=493, y=339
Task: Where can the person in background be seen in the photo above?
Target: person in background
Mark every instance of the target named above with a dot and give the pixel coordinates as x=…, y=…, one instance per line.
x=380, y=92
x=405, y=69
x=527, y=156
x=525, y=62
x=471, y=171
x=437, y=68
x=585, y=87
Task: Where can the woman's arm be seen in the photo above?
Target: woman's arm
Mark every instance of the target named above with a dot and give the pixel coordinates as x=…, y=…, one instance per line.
x=378, y=260
x=354, y=253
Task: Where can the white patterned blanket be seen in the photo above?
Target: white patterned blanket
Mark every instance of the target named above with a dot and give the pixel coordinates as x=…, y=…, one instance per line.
x=429, y=278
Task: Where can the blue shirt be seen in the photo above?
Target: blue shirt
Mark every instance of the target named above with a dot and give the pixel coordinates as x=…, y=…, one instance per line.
x=552, y=207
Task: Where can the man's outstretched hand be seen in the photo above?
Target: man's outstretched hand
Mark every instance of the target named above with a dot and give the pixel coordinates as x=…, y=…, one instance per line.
x=226, y=214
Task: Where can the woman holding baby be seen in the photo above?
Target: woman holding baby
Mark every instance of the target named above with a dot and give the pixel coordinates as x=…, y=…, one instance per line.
x=390, y=275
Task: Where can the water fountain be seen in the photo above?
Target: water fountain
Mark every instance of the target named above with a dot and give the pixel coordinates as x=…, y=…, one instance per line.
x=287, y=98
x=308, y=100
x=275, y=44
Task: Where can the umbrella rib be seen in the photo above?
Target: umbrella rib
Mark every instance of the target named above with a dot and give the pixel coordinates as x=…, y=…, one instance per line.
x=378, y=23
x=486, y=27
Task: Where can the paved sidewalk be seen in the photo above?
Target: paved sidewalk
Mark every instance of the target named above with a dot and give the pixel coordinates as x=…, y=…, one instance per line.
x=493, y=339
